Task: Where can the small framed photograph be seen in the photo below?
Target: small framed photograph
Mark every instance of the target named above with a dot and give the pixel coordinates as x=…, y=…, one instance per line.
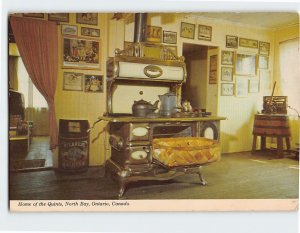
x=34, y=15
x=241, y=87
x=263, y=62
x=264, y=48
x=68, y=30
x=213, y=69
x=153, y=34
x=87, y=18
x=204, y=32
x=127, y=44
x=59, y=17
x=253, y=85
x=245, y=64
x=173, y=49
x=187, y=30
x=93, y=83
x=72, y=81
x=227, y=57
x=169, y=37
x=231, y=41
x=81, y=53
x=227, y=89
x=93, y=32
x=248, y=43
x=227, y=74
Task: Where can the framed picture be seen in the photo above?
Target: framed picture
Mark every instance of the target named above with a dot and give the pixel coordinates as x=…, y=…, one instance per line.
x=187, y=30
x=264, y=48
x=245, y=64
x=153, y=34
x=253, y=85
x=127, y=44
x=173, y=49
x=227, y=74
x=93, y=83
x=227, y=89
x=72, y=81
x=169, y=37
x=93, y=32
x=213, y=69
x=34, y=15
x=265, y=80
x=68, y=30
x=231, y=41
x=59, y=17
x=227, y=57
x=204, y=32
x=241, y=87
x=248, y=43
x=263, y=62
x=87, y=18
x=81, y=53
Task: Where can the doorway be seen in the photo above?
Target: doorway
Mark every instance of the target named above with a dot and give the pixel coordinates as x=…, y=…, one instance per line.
x=197, y=89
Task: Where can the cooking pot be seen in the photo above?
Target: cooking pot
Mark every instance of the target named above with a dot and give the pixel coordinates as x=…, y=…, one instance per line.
x=142, y=108
x=168, y=104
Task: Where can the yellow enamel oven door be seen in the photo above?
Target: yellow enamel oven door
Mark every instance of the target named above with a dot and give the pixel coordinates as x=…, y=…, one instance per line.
x=150, y=71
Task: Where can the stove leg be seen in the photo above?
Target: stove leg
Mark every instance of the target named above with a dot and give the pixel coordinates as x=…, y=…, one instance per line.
x=122, y=189
x=202, y=180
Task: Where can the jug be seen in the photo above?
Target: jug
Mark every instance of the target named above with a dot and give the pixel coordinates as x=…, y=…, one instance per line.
x=168, y=104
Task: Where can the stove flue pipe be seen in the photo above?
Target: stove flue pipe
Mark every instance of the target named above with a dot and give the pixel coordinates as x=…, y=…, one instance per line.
x=140, y=26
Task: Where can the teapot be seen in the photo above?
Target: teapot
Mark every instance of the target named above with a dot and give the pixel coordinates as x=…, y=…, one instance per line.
x=142, y=108
x=168, y=104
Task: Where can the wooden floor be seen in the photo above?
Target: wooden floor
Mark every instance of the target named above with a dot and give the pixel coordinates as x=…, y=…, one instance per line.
x=236, y=176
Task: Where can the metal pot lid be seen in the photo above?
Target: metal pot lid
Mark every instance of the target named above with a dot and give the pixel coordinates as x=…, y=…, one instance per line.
x=143, y=102
x=168, y=94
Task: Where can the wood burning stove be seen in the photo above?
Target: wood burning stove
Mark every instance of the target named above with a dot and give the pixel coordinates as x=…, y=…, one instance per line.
x=132, y=75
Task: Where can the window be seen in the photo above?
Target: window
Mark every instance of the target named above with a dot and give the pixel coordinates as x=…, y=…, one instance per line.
x=289, y=72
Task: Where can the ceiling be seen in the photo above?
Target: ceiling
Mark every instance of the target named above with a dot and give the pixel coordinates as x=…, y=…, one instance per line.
x=270, y=20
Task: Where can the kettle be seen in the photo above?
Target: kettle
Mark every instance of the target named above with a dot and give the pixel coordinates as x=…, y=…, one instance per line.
x=168, y=104
x=142, y=108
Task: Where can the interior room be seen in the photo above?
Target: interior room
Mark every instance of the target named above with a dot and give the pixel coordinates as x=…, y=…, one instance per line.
x=153, y=105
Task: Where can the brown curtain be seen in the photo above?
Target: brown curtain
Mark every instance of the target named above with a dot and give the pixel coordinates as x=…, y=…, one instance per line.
x=13, y=72
x=37, y=41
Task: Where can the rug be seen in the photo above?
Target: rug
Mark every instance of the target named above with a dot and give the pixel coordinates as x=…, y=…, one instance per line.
x=22, y=164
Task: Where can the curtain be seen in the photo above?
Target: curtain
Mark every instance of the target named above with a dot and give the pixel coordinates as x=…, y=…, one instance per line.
x=37, y=41
x=289, y=71
x=13, y=72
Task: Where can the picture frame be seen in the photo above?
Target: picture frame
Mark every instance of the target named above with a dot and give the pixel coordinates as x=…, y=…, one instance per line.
x=67, y=29
x=264, y=48
x=81, y=53
x=231, y=41
x=265, y=80
x=153, y=34
x=34, y=15
x=92, y=32
x=72, y=81
x=93, y=83
x=263, y=62
x=173, y=49
x=227, y=74
x=253, y=85
x=58, y=17
x=241, y=87
x=204, y=32
x=187, y=30
x=227, y=89
x=87, y=18
x=248, y=43
x=213, y=60
x=246, y=64
x=169, y=37
x=227, y=57
x=127, y=44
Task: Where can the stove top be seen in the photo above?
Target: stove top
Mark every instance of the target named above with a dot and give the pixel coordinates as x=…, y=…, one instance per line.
x=157, y=115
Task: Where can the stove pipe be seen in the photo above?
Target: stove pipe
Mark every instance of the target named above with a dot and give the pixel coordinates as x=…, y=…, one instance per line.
x=140, y=26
